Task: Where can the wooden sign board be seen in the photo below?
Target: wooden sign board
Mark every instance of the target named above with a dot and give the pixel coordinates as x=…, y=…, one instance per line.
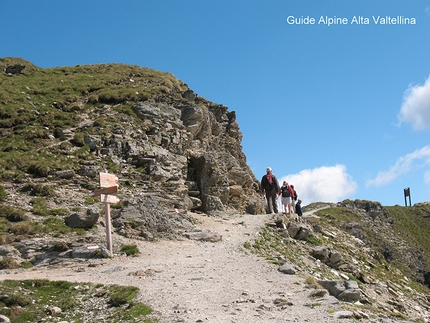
x=108, y=180
x=109, y=198
x=106, y=190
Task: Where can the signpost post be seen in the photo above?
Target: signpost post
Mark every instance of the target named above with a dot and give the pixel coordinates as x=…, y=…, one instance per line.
x=109, y=185
x=407, y=192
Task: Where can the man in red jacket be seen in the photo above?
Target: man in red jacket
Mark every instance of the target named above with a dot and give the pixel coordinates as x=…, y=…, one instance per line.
x=270, y=187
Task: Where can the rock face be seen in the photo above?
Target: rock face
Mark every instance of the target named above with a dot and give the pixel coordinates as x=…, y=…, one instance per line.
x=177, y=157
x=190, y=156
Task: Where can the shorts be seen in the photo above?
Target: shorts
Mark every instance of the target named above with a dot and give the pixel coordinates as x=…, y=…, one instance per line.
x=286, y=200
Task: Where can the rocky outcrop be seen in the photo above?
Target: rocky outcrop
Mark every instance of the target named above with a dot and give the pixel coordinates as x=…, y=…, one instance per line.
x=196, y=149
x=189, y=157
x=14, y=69
x=183, y=157
x=347, y=291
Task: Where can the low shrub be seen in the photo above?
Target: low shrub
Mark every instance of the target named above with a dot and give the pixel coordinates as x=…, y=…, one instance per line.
x=22, y=228
x=8, y=263
x=12, y=214
x=122, y=295
x=38, y=189
x=3, y=193
x=39, y=170
x=130, y=250
x=314, y=240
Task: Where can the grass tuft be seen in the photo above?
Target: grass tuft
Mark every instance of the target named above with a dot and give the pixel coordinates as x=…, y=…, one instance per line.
x=130, y=250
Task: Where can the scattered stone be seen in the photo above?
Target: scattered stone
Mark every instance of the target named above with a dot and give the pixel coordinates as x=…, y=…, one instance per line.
x=54, y=310
x=4, y=319
x=66, y=174
x=204, y=236
x=343, y=314
x=350, y=295
x=318, y=293
x=287, y=269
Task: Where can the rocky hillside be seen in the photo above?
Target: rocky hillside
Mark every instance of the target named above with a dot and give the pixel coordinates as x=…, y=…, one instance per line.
x=170, y=148
x=173, y=152
x=371, y=257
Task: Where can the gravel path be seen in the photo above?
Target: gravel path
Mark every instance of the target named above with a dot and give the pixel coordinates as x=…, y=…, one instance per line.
x=191, y=281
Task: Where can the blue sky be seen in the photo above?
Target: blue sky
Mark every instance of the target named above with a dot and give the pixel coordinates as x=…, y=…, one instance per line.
x=340, y=111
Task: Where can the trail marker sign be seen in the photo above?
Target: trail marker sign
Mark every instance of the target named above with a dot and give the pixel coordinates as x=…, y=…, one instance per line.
x=106, y=190
x=108, y=185
x=108, y=180
x=109, y=198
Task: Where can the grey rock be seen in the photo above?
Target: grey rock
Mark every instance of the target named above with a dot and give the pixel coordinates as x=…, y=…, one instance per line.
x=293, y=228
x=66, y=174
x=84, y=219
x=318, y=293
x=333, y=287
x=321, y=253
x=14, y=69
x=350, y=295
x=330, y=300
x=351, y=284
x=335, y=257
x=204, y=236
x=343, y=290
x=304, y=233
x=287, y=269
x=212, y=203
x=343, y=314
x=4, y=319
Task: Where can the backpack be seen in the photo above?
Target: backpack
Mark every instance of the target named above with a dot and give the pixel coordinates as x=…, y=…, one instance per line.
x=286, y=191
x=268, y=183
x=295, y=195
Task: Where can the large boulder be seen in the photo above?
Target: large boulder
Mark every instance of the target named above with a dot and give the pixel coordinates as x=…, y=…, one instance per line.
x=84, y=220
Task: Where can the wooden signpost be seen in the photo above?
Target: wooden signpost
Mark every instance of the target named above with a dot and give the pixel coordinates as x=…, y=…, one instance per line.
x=407, y=193
x=108, y=185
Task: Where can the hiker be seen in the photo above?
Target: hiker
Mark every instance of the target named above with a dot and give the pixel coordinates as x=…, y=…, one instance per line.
x=293, y=198
x=287, y=197
x=270, y=188
x=299, y=211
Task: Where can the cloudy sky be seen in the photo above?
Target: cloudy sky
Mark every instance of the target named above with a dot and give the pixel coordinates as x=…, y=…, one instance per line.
x=334, y=95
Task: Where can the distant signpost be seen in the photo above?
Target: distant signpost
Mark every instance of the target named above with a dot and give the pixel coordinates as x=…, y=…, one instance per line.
x=108, y=186
x=407, y=192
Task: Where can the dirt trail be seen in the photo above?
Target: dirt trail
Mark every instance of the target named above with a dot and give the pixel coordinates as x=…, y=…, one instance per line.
x=191, y=281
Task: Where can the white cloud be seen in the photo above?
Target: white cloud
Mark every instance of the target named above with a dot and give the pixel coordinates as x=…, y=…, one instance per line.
x=323, y=184
x=416, y=106
x=419, y=158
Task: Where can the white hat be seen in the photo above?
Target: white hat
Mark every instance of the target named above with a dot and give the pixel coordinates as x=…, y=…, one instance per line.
x=268, y=169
